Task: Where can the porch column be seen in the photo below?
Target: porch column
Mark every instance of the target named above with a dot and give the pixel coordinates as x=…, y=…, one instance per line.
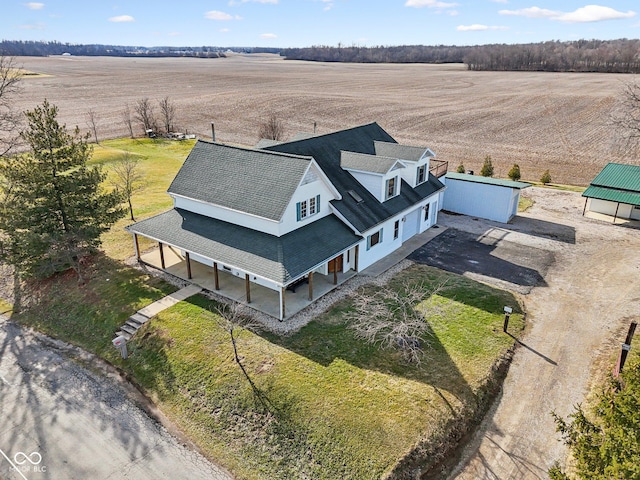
x=615, y=217
x=247, y=286
x=161, y=255
x=310, y=286
x=136, y=246
x=186, y=256
x=335, y=273
x=355, y=262
x=215, y=275
x=282, y=290
x=585, y=206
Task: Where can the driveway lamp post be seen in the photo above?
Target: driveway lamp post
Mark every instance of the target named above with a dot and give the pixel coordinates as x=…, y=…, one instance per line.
x=507, y=313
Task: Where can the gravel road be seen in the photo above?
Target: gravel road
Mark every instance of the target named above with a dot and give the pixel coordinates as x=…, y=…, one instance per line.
x=577, y=316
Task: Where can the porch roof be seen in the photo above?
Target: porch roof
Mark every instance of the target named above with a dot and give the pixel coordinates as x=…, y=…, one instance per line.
x=279, y=259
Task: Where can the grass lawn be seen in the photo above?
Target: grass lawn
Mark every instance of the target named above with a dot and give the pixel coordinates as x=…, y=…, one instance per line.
x=339, y=408
x=159, y=162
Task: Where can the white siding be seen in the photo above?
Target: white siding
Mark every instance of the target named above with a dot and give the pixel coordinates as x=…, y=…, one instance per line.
x=493, y=202
x=372, y=182
x=382, y=249
x=609, y=208
x=305, y=192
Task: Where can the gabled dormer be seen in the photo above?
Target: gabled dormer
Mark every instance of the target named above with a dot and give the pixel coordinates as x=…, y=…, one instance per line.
x=378, y=174
x=415, y=158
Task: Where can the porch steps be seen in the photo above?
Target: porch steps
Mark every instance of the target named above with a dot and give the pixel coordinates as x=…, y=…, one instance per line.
x=142, y=316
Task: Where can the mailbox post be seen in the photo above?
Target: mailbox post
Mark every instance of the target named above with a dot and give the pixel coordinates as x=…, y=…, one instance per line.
x=507, y=313
x=121, y=344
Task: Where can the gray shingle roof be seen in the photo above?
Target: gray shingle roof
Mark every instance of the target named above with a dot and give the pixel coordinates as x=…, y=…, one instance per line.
x=258, y=182
x=402, y=152
x=266, y=142
x=326, y=149
x=366, y=163
x=281, y=259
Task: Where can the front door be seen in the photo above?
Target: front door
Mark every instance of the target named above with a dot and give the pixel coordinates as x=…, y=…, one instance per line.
x=335, y=265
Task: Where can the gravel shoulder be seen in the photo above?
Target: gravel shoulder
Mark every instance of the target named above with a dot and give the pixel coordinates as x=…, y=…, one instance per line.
x=590, y=293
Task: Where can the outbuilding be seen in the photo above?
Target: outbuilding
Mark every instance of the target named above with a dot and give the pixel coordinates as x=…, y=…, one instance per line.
x=483, y=197
x=615, y=192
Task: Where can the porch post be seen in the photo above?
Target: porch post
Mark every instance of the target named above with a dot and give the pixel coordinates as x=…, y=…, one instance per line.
x=186, y=256
x=282, y=291
x=615, y=217
x=215, y=275
x=161, y=255
x=335, y=273
x=355, y=263
x=311, y=286
x=136, y=246
x=247, y=286
x=585, y=206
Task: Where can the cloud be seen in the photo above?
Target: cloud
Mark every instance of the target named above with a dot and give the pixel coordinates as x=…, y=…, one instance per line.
x=122, y=18
x=268, y=36
x=34, y=5
x=429, y=4
x=500, y=1
x=593, y=13
x=532, y=12
x=479, y=28
x=220, y=16
x=33, y=26
x=224, y=30
x=589, y=13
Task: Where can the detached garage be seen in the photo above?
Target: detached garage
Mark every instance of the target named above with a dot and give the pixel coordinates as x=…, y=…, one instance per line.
x=615, y=192
x=482, y=197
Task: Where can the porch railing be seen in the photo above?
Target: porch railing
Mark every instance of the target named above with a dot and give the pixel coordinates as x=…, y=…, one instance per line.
x=438, y=168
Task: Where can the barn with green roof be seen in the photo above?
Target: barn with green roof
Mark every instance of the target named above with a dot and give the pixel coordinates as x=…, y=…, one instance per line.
x=615, y=192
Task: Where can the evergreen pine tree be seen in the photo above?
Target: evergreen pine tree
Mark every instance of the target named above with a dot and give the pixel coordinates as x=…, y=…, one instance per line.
x=514, y=173
x=546, y=177
x=460, y=168
x=487, y=167
x=55, y=209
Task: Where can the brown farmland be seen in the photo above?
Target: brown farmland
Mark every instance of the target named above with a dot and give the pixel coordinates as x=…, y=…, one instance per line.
x=555, y=121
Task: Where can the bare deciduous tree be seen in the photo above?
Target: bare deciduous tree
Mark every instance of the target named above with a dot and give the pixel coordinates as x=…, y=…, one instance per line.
x=168, y=112
x=92, y=123
x=126, y=118
x=272, y=128
x=10, y=75
x=127, y=178
x=145, y=114
x=626, y=118
x=392, y=318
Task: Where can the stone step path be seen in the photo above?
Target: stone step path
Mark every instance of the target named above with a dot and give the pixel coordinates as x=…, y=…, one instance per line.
x=142, y=316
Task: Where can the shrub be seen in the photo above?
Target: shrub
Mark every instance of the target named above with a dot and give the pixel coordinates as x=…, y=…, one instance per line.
x=487, y=167
x=460, y=169
x=546, y=177
x=514, y=173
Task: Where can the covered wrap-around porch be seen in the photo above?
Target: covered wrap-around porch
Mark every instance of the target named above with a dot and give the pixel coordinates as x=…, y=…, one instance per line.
x=275, y=275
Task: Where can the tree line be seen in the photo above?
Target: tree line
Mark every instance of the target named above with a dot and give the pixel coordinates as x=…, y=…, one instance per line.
x=610, y=56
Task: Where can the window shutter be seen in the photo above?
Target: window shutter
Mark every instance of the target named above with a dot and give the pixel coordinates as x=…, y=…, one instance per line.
x=317, y=203
x=298, y=210
x=368, y=242
x=381, y=235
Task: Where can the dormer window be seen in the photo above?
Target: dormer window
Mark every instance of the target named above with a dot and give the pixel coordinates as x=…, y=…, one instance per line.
x=421, y=175
x=391, y=187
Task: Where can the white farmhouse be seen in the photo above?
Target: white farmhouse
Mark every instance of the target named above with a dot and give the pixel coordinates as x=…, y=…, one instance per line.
x=312, y=211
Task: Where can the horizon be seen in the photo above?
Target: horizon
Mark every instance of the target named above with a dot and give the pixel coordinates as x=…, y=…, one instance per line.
x=281, y=24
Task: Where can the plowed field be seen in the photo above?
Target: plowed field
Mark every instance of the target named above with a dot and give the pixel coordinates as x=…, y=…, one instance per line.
x=555, y=121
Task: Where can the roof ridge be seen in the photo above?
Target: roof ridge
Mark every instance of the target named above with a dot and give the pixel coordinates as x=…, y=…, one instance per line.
x=257, y=150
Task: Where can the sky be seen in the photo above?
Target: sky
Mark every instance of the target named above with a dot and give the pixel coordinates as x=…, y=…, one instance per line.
x=300, y=23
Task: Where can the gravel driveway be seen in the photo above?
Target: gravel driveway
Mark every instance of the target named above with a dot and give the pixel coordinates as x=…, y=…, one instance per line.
x=578, y=313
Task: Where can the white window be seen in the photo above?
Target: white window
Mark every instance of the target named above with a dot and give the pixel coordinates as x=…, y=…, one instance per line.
x=391, y=187
x=307, y=208
x=374, y=239
x=421, y=175
x=396, y=229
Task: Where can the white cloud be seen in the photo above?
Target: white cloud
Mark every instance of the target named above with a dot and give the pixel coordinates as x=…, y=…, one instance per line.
x=532, y=12
x=34, y=5
x=476, y=27
x=593, y=13
x=429, y=4
x=122, y=18
x=589, y=13
x=268, y=36
x=224, y=30
x=220, y=16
